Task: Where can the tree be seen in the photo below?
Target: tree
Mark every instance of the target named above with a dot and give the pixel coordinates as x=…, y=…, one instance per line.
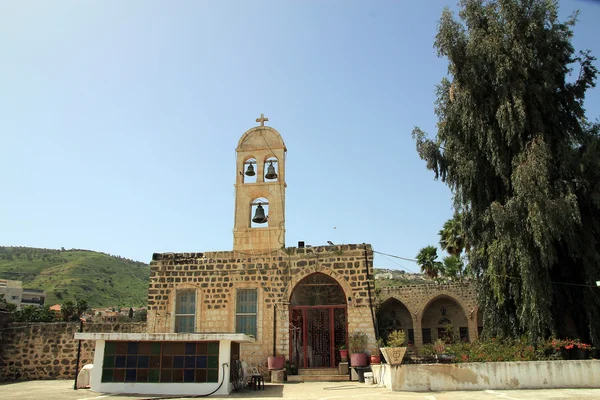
x=73, y=311
x=34, y=314
x=453, y=267
x=67, y=309
x=140, y=315
x=452, y=236
x=81, y=306
x=427, y=260
x=523, y=163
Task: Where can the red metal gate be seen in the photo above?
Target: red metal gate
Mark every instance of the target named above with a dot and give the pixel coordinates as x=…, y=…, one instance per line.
x=316, y=333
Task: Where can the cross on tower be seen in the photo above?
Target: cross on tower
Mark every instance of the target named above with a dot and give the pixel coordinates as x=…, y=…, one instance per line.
x=262, y=119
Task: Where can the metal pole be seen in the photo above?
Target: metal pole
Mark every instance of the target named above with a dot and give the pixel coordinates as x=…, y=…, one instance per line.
x=78, y=355
x=375, y=326
x=274, y=330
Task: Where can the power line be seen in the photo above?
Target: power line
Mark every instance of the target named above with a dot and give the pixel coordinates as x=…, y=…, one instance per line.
x=391, y=255
x=397, y=263
x=489, y=274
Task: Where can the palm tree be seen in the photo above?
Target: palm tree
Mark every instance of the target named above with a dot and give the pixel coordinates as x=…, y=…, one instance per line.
x=453, y=267
x=452, y=237
x=427, y=260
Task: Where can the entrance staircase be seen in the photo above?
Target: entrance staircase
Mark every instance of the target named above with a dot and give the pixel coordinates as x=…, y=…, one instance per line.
x=318, y=375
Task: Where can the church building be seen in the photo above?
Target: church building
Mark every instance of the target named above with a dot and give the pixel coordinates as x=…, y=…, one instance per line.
x=299, y=302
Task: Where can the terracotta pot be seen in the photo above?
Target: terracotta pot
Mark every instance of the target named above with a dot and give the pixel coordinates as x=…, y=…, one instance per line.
x=359, y=359
x=344, y=355
x=277, y=362
x=375, y=359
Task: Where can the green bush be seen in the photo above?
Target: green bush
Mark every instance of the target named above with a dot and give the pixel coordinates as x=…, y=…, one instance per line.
x=396, y=338
x=515, y=350
x=358, y=342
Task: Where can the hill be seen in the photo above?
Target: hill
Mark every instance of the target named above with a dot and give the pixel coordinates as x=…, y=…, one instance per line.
x=395, y=278
x=101, y=279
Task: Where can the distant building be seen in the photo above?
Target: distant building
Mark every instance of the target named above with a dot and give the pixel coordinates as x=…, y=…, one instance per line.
x=14, y=293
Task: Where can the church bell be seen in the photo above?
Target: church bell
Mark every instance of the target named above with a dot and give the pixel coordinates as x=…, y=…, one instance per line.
x=271, y=172
x=250, y=170
x=259, y=215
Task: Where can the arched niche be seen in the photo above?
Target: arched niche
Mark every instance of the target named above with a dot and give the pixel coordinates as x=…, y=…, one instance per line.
x=257, y=207
x=250, y=167
x=440, y=312
x=271, y=169
x=394, y=315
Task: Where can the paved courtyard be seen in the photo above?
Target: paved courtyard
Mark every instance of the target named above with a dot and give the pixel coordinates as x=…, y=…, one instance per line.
x=36, y=390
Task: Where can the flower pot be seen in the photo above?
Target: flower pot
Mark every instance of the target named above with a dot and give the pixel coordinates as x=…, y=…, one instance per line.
x=393, y=355
x=359, y=359
x=344, y=355
x=445, y=358
x=276, y=362
x=375, y=359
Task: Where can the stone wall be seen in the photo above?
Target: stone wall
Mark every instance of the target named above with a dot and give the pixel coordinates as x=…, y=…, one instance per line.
x=215, y=276
x=424, y=304
x=49, y=350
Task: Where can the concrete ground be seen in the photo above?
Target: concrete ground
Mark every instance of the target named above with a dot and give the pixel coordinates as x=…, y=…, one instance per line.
x=35, y=390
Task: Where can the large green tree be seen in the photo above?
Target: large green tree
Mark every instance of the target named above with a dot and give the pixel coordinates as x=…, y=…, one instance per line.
x=523, y=163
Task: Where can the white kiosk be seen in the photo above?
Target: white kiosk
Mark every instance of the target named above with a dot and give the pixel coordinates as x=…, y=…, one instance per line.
x=164, y=363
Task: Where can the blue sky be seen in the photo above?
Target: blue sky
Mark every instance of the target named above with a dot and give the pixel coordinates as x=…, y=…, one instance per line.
x=119, y=120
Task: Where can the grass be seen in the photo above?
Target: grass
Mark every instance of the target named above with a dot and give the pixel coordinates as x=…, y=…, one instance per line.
x=101, y=279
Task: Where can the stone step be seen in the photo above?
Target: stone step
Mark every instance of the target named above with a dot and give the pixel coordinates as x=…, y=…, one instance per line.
x=317, y=371
x=318, y=378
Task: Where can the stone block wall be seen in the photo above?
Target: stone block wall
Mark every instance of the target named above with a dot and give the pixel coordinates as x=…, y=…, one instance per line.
x=49, y=350
x=424, y=303
x=215, y=276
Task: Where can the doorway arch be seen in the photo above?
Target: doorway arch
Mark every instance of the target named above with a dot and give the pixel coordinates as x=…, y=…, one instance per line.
x=318, y=322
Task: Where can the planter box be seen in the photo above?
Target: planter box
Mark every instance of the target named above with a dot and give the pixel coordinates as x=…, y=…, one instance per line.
x=493, y=375
x=393, y=355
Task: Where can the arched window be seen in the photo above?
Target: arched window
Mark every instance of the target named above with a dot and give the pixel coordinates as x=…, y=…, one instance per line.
x=249, y=172
x=259, y=214
x=318, y=290
x=271, y=169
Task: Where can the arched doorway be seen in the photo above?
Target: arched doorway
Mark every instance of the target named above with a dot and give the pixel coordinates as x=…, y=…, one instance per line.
x=393, y=315
x=318, y=322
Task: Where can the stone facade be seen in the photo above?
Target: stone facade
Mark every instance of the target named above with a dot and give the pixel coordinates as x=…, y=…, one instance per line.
x=215, y=277
x=420, y=307
x=262, y=146
x=49, y=350
x=207, y=284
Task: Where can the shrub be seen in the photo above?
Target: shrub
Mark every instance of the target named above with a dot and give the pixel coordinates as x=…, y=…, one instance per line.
x=396, y=338
x=515, y=350
x=358, y=342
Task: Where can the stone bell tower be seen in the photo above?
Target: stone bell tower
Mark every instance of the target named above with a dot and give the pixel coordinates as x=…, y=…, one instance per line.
x=260, y=190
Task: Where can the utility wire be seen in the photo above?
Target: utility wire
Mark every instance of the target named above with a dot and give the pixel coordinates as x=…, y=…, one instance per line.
x=397, y=263
x=489, y=274
x=391, y=255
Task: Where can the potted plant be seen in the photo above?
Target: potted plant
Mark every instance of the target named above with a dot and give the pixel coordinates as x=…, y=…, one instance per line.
x=440, y=352
x=394, y=351
x=376, y=357
x=358, y=344
x=343, y=353
x=290, y=368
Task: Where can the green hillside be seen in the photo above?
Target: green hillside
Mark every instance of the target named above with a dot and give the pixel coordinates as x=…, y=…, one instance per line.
x=101, y=279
